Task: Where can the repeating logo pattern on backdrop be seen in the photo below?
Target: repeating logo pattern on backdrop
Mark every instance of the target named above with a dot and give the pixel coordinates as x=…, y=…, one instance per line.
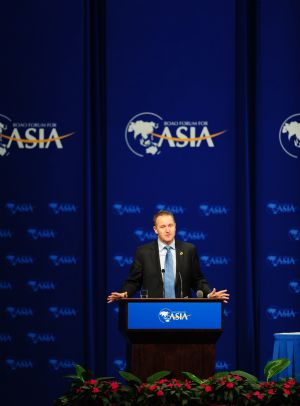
x=214, y=260
x=294, y=286
x=276, y=312
x=36, y=286
x=281, y=208
x=149, y=134
x=207, y=209
x=57, y=364
x=14, y=363
x=281, y=260
x=294, y=234
x=20, y=207
x=121, y=208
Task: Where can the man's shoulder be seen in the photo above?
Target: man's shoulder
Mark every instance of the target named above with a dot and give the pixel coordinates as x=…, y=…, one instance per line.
x=149, y=246
x=184, y=245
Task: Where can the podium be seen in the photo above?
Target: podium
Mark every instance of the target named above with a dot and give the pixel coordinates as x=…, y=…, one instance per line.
x=171, y=334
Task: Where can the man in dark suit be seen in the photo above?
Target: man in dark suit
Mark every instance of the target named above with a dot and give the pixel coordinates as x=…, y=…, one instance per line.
x=167, y=268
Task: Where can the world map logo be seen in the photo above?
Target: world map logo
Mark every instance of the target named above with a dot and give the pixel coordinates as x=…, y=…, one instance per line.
x=165, y=315
x=139, y=134
x=5, y=124
x=289, y=136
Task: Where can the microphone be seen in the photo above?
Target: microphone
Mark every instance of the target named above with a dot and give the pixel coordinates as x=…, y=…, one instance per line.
x=181, y=293
x=199, y=294
x=163, y=279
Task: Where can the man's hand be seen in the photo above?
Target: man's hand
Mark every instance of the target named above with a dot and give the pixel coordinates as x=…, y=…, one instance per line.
x=116, y=296
x=221, y=294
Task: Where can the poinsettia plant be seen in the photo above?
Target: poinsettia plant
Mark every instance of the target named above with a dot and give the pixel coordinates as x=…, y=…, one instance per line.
x=284, y=392
x=158, y=390
x=86, y=391
x=224, y=388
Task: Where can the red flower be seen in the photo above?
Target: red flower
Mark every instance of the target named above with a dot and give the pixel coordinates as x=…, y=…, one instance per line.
x=237, y=377
x=162, y=381
x=96, y=390
x=178, y=384
x=286, y=391
x=152, y=387
x=291, y=381
x=258, y=394
x=187, y=385
x=248, y=396
x=170, y=385
x=230, y=385
x=92, y=381
x=271, y=392
x=159, y=393
x=207, y=388
x=114, y=386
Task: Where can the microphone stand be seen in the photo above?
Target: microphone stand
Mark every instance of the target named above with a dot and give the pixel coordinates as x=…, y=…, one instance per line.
x=163, y=279
x=181, y=290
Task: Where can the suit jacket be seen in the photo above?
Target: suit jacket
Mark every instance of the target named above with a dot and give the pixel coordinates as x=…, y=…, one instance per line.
x=146, y=271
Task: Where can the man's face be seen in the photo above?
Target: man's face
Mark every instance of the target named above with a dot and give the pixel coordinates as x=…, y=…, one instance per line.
x=165, y=228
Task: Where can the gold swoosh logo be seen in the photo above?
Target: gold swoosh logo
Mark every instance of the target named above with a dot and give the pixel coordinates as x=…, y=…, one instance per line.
x=165, y=137
x=36, y=141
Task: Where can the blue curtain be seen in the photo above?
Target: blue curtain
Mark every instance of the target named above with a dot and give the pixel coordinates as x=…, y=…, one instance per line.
x=245, y=116
x=72, y=212
x=95, y=187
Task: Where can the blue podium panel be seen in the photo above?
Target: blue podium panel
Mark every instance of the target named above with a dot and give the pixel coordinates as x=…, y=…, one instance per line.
x=172, y=315
x=287, y=345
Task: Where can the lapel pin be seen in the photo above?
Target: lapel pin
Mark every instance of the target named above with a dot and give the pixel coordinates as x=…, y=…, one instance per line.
x=181, y=253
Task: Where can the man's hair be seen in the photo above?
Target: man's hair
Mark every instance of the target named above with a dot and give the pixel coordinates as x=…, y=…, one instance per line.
x=162, y=213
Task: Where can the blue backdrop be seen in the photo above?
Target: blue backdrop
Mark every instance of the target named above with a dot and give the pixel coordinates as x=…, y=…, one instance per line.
x=113, y=110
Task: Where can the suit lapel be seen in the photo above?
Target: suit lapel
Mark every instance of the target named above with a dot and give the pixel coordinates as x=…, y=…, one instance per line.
x=179, y=258
x=155, y=257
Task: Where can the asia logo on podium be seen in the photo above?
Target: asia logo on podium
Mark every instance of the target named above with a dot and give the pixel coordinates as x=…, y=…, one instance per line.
x=167, y=315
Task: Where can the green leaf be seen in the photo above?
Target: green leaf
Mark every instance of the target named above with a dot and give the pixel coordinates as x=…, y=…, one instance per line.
x=80, y=372
x=274, y=367
x=75, y=377
x=158, y=375
x=192, y=377
x=221, y=374
x=249, y=377
x=129, y=377
x=63, y=400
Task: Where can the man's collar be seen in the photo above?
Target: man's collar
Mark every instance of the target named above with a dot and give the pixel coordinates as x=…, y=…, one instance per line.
x=161, y=245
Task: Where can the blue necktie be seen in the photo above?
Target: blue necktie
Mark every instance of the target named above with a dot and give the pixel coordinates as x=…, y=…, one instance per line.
x=169, y=274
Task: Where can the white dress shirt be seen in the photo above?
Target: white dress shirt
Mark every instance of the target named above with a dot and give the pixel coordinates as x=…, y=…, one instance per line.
x=163, y=252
